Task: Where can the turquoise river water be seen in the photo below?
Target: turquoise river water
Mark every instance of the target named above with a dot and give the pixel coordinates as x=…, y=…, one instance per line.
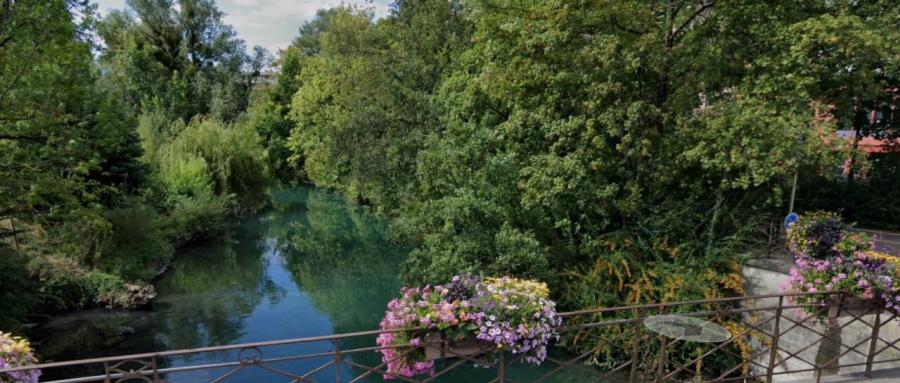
x=310, y=265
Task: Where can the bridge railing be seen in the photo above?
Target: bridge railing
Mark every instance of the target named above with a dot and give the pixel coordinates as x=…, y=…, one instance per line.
x=773, y=338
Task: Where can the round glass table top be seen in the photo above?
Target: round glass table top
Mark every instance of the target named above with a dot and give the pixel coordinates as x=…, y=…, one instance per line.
x=687, y=328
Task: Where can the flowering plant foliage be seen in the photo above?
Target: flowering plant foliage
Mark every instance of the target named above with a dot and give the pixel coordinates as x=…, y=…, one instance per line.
x=511, y=314
x=15, y=352
x=848, y=264
x=816, y=233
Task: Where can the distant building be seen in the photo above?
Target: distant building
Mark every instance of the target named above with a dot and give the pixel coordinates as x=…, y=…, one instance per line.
x=871, y=145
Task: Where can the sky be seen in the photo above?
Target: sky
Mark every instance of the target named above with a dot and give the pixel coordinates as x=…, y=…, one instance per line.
x=269, y=23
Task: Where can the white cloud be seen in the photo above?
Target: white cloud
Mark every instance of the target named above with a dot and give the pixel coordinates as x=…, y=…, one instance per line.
x=269, y=23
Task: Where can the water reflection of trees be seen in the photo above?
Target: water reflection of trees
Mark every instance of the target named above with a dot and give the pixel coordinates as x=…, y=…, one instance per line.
x=91, y=334
x=214, y=288
x=339, y=255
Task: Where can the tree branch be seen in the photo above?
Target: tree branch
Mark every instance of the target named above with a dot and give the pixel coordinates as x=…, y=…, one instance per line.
x=11, y=137
x=700, y=11
x=501, y=113
x=615, y=22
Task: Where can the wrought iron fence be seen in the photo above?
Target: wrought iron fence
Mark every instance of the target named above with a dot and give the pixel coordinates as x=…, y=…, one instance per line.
x=773, y=337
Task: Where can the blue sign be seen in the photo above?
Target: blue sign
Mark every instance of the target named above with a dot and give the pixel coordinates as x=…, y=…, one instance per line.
x=790, y=220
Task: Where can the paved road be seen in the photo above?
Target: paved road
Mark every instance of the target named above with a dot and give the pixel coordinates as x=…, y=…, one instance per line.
x=888, y=242
x=878, y=376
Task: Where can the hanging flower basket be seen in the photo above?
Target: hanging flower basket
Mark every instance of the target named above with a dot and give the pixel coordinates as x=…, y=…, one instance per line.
x=16, y=352
x=839, y=268
x=468, y=317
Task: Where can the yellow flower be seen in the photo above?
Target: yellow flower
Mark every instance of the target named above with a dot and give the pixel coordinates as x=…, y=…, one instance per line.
x=889, y=259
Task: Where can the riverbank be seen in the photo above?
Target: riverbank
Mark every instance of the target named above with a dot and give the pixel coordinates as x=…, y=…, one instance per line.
x=310, y=264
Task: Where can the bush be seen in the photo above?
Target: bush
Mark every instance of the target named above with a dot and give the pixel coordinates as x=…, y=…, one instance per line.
x=66, y=286
x=869, y=200
x=137, y=246
x=195, y=218
x=153, y=130
x=233, y=158
x=184, y=175
x=16, y=296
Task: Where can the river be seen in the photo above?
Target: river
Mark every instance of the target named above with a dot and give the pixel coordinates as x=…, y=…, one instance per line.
x=310, y=265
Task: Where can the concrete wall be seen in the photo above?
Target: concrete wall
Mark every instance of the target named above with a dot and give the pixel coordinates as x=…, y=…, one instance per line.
x=766, y=276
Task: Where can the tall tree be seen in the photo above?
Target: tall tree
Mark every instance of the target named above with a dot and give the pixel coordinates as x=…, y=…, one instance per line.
x=179, y=57
x=272, y=103
x=373, y=87
x=61, y=137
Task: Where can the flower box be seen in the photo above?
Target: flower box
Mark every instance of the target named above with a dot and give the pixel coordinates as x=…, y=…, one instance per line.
x=438, y=347
x=853, y=305
x=466, y=318
x=16, y=352
x=838, y=267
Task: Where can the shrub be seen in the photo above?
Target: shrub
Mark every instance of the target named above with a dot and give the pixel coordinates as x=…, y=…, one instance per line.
x=184, y=175
x=137, y=246
x=66, y=286
x=233, y=158
x=16, y=295
x=153, y=130
x=195, y=218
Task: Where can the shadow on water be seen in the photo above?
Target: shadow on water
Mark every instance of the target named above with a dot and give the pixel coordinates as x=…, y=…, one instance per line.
x=310, y=265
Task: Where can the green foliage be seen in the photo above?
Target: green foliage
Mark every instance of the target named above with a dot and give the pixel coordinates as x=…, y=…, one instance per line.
x=65, y=285
x=185, y=174
x=96, y=173
x=226, y=159
x=565, y=130
x=17, y=294
x=178, y=57
x=195, y=218
x=870, y=201
x=370, y=87
x=137, y=247
x=622, y=151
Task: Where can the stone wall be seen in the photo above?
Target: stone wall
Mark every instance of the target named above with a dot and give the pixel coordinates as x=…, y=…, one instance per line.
x=821, y=342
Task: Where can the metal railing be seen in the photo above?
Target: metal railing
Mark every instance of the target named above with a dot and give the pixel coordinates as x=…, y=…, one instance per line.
x=772, y=338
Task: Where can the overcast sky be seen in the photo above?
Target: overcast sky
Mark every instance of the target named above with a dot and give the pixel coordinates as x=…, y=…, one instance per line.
x=270, y=23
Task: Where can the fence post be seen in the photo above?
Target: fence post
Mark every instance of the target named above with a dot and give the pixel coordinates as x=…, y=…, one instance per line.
x=775, y=335
x=663, y=343
x=634, y=346
x=661, y=363
x=501, y=372
x=832, y=348
x=873, y=344
x=337, y=361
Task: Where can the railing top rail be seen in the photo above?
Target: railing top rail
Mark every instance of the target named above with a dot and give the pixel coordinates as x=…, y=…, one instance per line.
x=337, y=337
x=688, y=303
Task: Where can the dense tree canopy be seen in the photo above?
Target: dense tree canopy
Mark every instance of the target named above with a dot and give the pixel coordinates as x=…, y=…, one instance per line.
x=549, y=139
x=178, y=57
x=85, y=206
x=623, y=151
